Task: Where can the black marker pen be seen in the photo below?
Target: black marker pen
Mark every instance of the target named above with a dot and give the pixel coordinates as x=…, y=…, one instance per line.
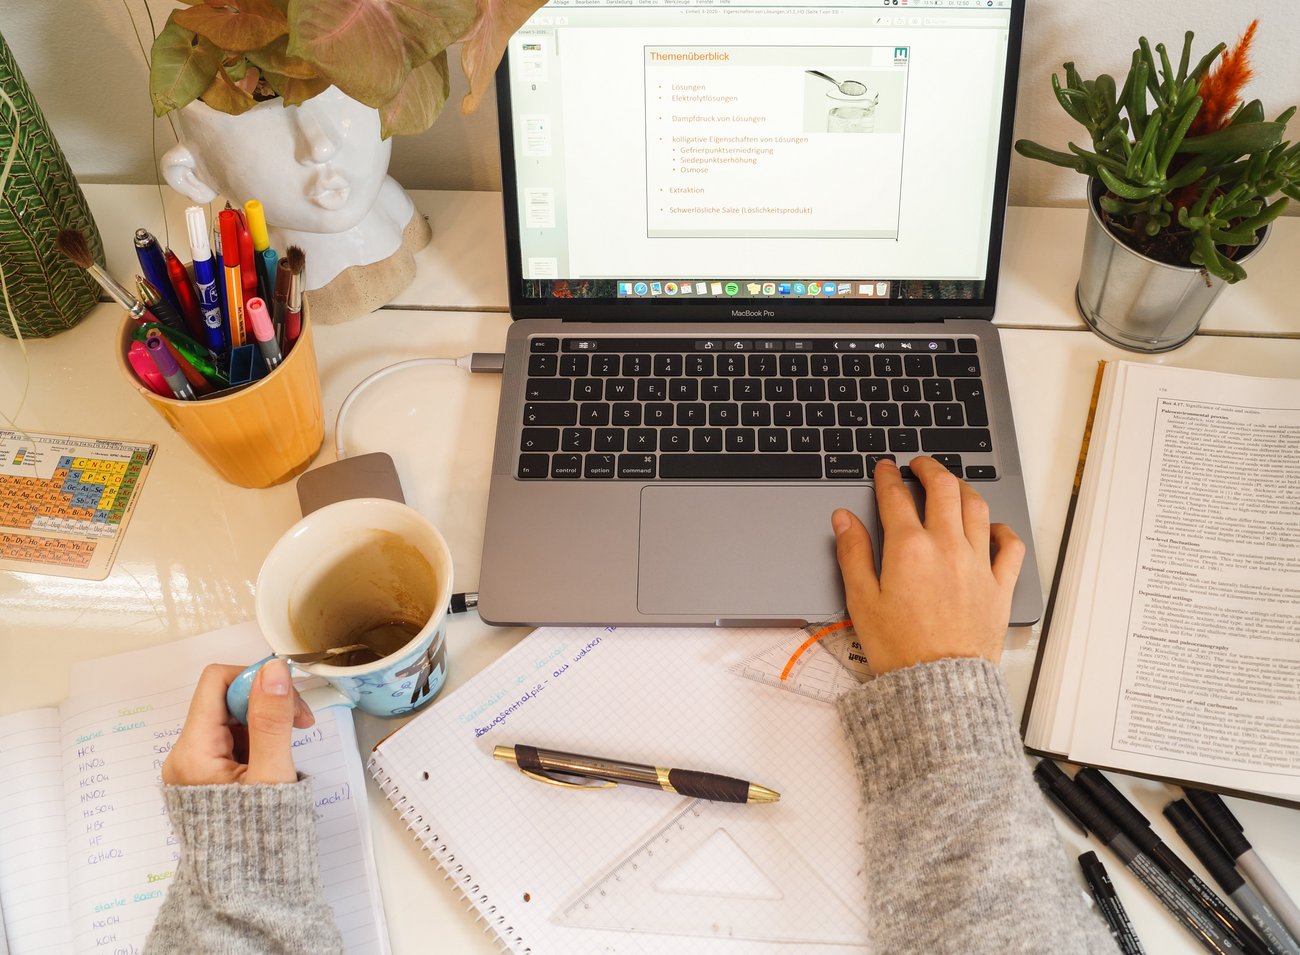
x=1188, y=914
x=1138, y=828
x=1121, y=929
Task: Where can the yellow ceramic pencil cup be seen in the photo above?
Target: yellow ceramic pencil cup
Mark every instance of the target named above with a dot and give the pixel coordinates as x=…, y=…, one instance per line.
x=260, y=435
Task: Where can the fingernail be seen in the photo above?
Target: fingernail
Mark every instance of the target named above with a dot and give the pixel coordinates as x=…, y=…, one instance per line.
x=840, y=521
x=275, y=678
x=886, y=463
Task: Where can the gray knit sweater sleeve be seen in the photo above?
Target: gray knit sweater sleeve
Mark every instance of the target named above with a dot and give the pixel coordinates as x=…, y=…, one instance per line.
x=961, y=854
x=248, y=879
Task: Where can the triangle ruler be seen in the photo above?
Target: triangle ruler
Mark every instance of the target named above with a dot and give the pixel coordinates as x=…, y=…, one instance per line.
x=831, y=666
x=717, y=870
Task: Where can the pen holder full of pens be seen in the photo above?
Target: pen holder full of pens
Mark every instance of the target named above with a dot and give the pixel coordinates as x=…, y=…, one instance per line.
x=258, y=435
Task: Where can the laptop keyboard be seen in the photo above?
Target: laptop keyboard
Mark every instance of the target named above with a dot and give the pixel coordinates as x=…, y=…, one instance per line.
x=750, y=409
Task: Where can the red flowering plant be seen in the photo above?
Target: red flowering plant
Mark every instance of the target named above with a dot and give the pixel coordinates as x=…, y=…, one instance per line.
x=1187, y=173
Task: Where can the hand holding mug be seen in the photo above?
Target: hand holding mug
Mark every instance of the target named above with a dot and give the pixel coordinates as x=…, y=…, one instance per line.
x=362, y=571
x=212, y=749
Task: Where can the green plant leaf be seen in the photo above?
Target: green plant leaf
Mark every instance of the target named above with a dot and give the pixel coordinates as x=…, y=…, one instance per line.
x=297, y=91
x=182, y=67
x=485, y=44
x=420, y=100
x=275, y=58
x=1032, y=150
x=222, y=94
x=1235, y=140
x=368, y=47
x=1125, y=190
x=235, y=25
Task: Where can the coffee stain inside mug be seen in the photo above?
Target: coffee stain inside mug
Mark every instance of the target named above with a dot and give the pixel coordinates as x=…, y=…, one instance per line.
x=380, y=593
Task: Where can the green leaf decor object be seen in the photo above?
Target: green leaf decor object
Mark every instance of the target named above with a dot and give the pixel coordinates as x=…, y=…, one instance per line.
x=47, y=292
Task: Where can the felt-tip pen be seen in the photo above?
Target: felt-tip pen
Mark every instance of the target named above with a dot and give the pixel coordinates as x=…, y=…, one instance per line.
x=1099, y=884
x=259, y=322
x=560, y=769
x=205, y=279
x=1219, y=864
x=1232, y=836
x=1137, y=828
x=168, y=367
x=1207, y=933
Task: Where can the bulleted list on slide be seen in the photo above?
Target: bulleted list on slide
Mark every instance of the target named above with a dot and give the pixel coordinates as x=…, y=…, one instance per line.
x=740, y=142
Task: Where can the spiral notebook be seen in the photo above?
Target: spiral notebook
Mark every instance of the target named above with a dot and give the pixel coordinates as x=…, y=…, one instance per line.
x=633, y=870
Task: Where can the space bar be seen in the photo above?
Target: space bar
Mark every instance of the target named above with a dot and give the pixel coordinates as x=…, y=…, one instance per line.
x=740, y=466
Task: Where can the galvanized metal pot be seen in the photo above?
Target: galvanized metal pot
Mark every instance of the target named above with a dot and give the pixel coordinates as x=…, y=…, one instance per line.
x=1135, y=302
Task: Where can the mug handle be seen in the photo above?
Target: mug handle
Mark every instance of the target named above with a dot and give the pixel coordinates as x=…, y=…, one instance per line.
x=316, y=697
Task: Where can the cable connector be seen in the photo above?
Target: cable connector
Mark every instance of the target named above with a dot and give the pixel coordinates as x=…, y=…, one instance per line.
x=487, y=362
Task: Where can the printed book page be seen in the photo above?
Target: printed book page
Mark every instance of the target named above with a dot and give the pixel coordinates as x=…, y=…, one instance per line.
x=1192, y=645
x=629, y=869
x=112, y=841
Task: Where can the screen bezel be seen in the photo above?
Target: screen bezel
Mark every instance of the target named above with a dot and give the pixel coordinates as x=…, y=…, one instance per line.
x=762, y=309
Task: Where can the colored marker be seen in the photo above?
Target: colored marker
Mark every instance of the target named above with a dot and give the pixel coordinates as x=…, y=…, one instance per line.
x=1137, y=828
x=146, y=370
x=168, y=368
x=214, y=331
x=1187, y=913
x=1232, y=836
x=1219, y=864
x=247, y=258
x=256, y=216
x=227, y=222
x=154, y=267
x=1103, y=891
x=259, y=320
x=184, y=289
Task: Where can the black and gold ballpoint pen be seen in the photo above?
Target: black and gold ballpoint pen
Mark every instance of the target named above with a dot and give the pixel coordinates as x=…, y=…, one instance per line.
x=551, y=767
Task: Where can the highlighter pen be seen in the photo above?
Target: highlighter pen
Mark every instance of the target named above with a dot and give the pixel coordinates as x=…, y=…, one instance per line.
x=168, y=368
x=1232, y=836
x=1219, y=864
x=1187, y=913
x=1103, y=891
x=1137, y=828
x=137, y=356
x=256, y=217
x=184, y=289
x=247, y=258
x=228, y=223
x=154, y=266
x=214, y=332
x=162, y=309
x=197, y=362
x=259, y=322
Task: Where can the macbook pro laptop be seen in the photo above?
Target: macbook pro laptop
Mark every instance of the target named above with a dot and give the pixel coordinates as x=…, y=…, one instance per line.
x=752, y=248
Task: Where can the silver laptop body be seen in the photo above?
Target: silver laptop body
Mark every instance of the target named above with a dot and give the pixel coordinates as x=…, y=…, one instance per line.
x=710, y=208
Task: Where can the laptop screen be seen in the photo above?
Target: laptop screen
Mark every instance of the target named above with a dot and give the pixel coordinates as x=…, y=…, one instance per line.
x=744, y=160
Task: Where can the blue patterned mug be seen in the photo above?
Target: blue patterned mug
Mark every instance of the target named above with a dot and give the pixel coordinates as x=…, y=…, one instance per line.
x=363, y=571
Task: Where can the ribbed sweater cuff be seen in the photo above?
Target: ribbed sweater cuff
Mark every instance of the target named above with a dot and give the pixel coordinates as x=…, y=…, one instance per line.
x=236, y=836
x=904, y=725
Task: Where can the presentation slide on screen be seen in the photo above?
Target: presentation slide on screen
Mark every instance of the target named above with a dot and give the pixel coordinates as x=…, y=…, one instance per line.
x=651, y=150
x=741, y=142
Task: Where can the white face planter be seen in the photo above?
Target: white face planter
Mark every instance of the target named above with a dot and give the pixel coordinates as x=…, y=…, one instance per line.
x=320, y=170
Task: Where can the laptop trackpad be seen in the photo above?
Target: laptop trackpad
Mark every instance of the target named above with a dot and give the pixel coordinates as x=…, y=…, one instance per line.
x=741, y=551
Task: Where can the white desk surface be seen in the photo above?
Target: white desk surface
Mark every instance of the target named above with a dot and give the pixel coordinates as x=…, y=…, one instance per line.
x=194, y=545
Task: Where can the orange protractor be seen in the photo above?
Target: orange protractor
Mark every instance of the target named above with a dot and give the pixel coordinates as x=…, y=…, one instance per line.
x=794, y=657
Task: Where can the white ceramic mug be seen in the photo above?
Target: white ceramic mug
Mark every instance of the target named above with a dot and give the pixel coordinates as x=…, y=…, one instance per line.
x=366, y=570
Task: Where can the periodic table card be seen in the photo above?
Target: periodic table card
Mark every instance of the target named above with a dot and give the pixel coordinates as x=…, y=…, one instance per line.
x=65, y=501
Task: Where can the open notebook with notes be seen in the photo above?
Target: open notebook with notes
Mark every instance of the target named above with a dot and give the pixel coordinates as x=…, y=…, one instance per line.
x=86, y=851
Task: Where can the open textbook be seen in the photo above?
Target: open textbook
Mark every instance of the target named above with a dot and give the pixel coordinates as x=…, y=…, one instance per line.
x=1172, y=646
x=86, y=850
